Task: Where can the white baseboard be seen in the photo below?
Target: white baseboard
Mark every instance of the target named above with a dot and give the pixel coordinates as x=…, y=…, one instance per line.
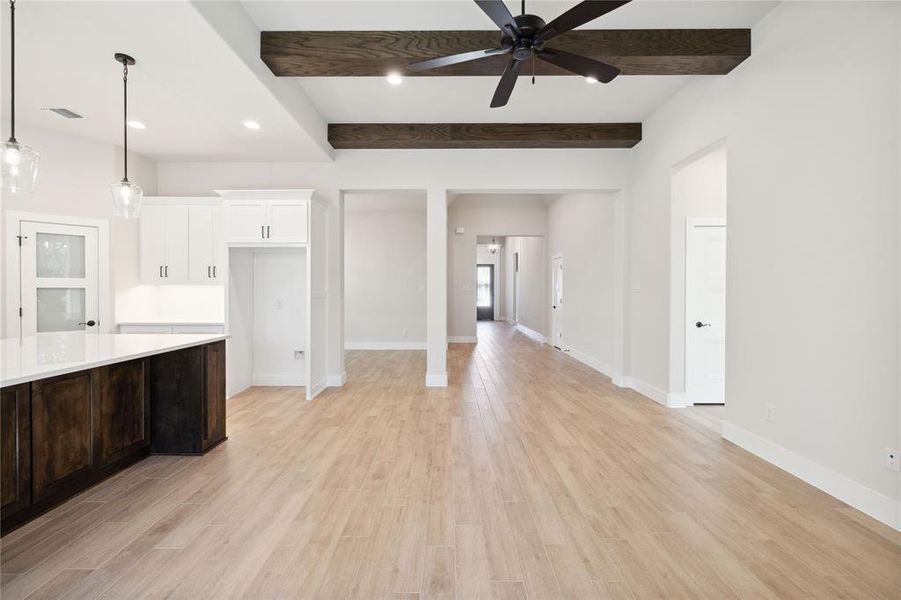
x=462, y=339
x=436, y=380
x=318, y=387
x=645, y=389
x=868, y=501
x=384, y=345
x=678, y=400
x=336, y=379
x=510, y=322
x=279, y=380
x=598, y=365
x=532, y=333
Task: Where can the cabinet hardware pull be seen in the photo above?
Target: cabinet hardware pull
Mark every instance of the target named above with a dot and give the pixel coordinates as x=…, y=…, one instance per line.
x=161, y=271
x=262, y=231
x=208, y=269
x=268, y=233
x=167, y=270
x=214, y=270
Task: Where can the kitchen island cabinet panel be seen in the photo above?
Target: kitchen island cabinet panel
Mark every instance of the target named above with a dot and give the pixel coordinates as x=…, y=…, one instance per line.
x=124, y=409
x=15, y=448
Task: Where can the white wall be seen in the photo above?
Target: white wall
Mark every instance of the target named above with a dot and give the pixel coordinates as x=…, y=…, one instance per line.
x=485, y=257
x=698, y=190
x=581, y=227
x=279, y=317
x=437, y=171
x=385, y=278
x=74, y=175
x=532, y=291
x=813, y=256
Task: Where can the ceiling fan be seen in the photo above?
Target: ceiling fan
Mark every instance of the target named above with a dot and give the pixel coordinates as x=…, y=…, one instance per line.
x=524, y=38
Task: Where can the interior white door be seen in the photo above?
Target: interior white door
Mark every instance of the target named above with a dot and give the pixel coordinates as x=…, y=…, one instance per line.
x=557, y=302
x=153, y=243
x=705, y=306
x=201, y=240
x=59, y=271
x=287, y=222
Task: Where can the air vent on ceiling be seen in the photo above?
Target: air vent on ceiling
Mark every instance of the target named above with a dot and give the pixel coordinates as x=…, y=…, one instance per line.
x=65, y=112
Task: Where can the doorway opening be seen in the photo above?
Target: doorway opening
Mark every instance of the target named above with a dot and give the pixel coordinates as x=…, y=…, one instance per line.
x=485, y=293
x=698, y=284
x=557, y=302
x=385, y=272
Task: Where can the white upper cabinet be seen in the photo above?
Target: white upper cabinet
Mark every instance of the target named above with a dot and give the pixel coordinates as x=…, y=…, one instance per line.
x=266, y=217
x=180, y=243
x=204, y=244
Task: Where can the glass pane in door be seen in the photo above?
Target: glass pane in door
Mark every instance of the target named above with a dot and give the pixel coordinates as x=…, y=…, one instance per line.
x=59, y=255
x=60, y=309
x=483, y=286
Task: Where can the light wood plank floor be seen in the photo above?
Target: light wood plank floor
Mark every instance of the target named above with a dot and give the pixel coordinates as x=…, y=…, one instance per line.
x=531, y=476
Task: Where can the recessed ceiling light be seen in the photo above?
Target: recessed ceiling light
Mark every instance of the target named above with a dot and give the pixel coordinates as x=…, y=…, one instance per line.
x=136, y=125
x=395, y=79
x=251, y=125
x=591, y=80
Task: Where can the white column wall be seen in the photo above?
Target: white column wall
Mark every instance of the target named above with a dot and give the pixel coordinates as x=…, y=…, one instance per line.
x=436, y=288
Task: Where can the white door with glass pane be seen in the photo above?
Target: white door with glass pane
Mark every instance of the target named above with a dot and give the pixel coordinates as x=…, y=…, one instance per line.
x=557, y=306
x=59, y=284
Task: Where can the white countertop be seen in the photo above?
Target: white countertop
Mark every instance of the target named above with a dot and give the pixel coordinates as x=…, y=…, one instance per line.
x=50, y=354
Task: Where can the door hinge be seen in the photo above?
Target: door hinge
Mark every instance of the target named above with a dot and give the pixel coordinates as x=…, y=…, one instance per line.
x=20, y=311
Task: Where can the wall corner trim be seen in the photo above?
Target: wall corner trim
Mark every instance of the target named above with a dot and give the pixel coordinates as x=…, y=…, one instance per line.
x=868, y=501
x=436, y=379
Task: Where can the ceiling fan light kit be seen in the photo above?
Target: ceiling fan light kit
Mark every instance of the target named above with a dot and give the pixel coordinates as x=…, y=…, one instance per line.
x=19, y=162
x=524, y=38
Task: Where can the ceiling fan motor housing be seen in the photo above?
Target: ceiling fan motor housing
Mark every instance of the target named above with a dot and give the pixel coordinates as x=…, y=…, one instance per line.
x=529, y=26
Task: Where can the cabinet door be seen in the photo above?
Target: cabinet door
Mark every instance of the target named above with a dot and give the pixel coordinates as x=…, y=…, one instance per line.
x=15, y=449
x=214, y=394
x=61, y=431
x=153, y=243
x=287, y=221
x=176, y=396
x=246, y=222
x=202, y=224
x=177, y=244
x=123, y=409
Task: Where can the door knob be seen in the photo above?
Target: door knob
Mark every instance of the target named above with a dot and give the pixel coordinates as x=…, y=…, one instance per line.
x=89, y=323
x=699, y=324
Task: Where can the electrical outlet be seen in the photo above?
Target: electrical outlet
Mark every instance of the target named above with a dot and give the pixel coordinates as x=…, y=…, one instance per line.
x=298, y=355
x=892, y=460
x=770, y=413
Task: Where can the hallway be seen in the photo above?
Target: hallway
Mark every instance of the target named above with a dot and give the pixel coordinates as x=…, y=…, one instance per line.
x=530, y=476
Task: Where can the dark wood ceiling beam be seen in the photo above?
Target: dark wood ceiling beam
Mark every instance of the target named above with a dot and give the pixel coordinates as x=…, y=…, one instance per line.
x=375, y=53
x=369, y=136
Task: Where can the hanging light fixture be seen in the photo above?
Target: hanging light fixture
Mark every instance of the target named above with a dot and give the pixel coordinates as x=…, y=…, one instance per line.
x=20, y=162
x=127, y=196
x=493, y=247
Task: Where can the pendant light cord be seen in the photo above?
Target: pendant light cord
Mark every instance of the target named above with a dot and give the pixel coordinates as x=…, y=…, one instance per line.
x=125, y=118
x=12, y=70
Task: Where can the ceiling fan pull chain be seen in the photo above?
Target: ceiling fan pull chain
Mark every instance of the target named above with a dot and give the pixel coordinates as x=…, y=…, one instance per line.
x=533, y=65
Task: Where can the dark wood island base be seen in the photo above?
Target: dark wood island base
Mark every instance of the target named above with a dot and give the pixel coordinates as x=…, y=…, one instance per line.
x=63, y=434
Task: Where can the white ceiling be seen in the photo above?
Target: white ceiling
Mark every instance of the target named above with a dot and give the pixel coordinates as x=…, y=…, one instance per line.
x=188, y=87
x=199, y=75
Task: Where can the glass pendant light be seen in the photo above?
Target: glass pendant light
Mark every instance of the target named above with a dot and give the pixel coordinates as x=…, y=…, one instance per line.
x=493, y=247
x=127, y=196
x=20, y=162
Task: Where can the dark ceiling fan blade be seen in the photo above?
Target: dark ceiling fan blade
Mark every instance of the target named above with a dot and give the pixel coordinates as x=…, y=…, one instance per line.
x=505, y=86
x=498, y=12
x=580, y=65
x=445, y=61
x=581, y=13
